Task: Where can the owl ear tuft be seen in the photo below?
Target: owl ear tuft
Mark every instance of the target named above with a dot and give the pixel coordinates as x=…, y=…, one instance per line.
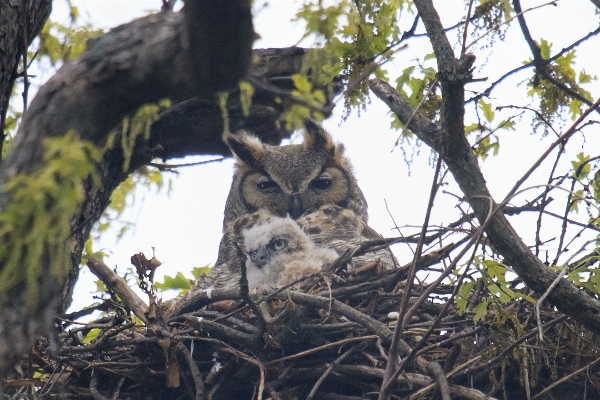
x=317, y=138
x=246, y=148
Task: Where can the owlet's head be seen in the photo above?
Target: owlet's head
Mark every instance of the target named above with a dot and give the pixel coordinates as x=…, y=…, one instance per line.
x=291, y=180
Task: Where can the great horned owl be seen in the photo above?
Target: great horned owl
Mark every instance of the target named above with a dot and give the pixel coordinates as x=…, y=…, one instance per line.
x=278, y=251
x=292, y=180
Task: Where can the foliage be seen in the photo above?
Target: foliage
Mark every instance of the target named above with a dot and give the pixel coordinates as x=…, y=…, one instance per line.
x=44, y=199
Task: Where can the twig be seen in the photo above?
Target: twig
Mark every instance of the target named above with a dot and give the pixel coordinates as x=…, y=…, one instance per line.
x=568, y=133
x=491, y=363
x=245, y=291
x=167, y=167
x=320, y=348
x=329, y=369
x=196, y=375
x=436, y=370
x=518, y=14
x=464, y=41
x=393, y=353
x=118, y=286
x=270, y=88
x=25, y=13
x=564, y=379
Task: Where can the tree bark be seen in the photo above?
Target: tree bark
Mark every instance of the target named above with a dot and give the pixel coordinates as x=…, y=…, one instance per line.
x=204, y=49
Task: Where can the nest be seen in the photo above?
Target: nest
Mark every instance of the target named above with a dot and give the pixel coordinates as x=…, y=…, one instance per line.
x=323, y=338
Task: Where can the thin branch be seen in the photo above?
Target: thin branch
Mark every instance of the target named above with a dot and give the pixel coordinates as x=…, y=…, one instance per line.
x=393, y=353
x=329, y=369
x=568, y=133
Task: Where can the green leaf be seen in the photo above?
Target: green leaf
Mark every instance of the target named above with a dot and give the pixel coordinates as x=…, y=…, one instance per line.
x=91, y=335
x=177, y=282
x=198, y=271
x=581, y=166
x=463, y=295
x=488, y=114
x=545, y=49
x=481, y=310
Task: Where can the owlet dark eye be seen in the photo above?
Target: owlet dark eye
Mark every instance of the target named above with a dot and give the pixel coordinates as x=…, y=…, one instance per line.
x=267, y=185
x=321, y=183
x=279, y=244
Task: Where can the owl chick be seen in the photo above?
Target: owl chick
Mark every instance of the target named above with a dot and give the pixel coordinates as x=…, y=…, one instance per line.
x=280, y=252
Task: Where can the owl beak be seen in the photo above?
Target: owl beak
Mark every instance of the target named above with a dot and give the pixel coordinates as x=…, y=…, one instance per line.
x=296, y=209
x=260, y=257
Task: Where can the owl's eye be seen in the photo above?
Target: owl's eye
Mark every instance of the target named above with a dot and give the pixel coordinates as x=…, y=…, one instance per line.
x=267, y=185
x=321, y=183
x=279, y=244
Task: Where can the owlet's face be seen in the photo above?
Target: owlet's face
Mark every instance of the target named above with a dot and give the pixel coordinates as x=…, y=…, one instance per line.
x=292, y=180
x=274, y=240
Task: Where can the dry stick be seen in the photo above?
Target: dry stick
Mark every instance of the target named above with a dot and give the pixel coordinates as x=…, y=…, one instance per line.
x=566, y=378
x=464, y=42
x=324, y=347
x=538, y=239
x=475, y=239
x=329, y=369
x=563, y=230
x=490, y=363
x=163, y=167
x=568, y=207
x=451, y=339
x=196, y=375
x=436, y=370
x=420, y=393
x=115, y=283
x=245, y=290
x=538, y=304
x=557, y=142
x=393, y=353
x=25, y=38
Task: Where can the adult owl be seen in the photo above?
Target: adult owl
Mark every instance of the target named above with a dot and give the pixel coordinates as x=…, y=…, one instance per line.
x=294, y=180
x=278, y=252
x=311, y=183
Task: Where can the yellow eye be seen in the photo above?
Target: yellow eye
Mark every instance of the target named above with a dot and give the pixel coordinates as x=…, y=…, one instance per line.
x=279, y=244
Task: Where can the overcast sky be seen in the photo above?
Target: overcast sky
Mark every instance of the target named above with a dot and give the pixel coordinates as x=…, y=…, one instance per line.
x=185, y=227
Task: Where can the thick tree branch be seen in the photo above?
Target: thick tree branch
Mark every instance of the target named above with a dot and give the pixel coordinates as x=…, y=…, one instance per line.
x=149, y=59
x=463, y=165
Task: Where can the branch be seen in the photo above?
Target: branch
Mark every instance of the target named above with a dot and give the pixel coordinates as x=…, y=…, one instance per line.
x=463, y=166
x=119, y=287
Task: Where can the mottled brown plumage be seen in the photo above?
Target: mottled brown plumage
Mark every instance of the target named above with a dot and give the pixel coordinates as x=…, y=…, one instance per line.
x=293, y=180
x=277, y=252
x=311, y=183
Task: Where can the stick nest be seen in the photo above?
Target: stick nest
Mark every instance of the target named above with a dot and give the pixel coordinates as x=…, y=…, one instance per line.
x=326, y=338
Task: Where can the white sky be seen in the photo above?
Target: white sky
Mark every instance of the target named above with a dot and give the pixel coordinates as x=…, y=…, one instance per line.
x=185, y=227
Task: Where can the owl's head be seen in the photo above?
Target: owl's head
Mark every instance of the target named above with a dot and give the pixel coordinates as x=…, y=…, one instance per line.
x=274, y=239
x=291, y=180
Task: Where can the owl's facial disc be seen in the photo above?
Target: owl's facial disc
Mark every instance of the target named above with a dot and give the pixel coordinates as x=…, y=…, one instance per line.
x=261, y=190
